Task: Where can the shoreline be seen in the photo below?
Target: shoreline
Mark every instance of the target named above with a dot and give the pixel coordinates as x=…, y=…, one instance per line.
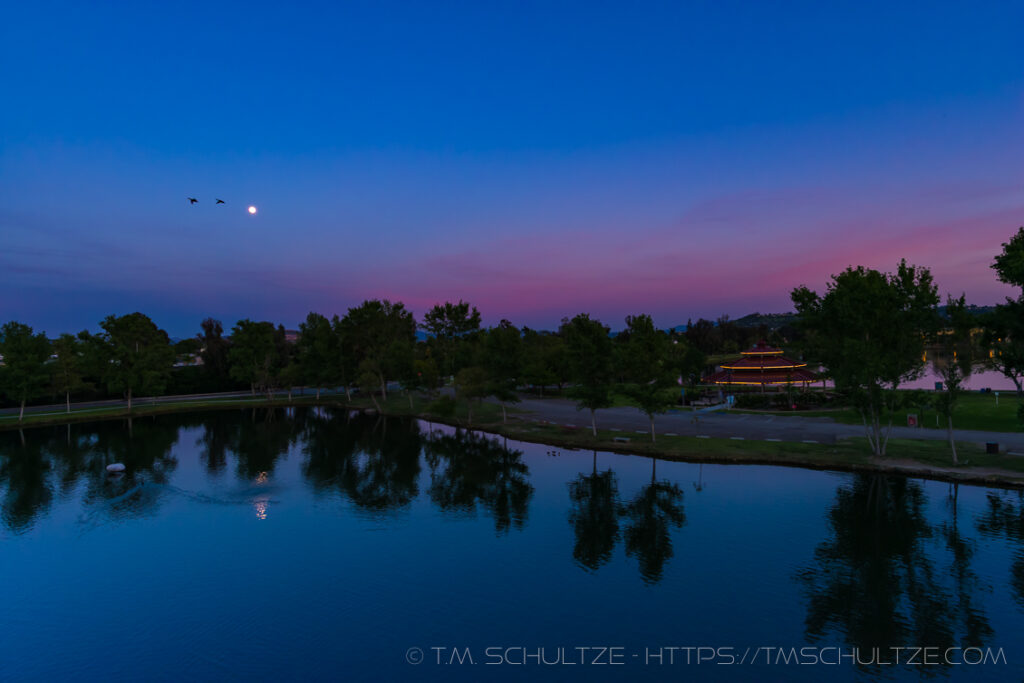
x=843, y=456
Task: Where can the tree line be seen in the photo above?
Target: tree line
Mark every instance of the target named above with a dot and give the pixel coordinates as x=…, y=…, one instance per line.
x=869, y=330
x=372, y=349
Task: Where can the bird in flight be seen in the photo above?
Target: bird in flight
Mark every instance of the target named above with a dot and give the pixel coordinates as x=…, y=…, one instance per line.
x=192, y=200
x=220, y=201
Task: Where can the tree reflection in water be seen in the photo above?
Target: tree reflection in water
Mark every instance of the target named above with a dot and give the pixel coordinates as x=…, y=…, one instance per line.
x=1004, y=517
x=594, y=516
x=268, y=436
x=649, y=520
x=376, y=466
x=59, y=459
x=25, y=476
x=469, y=469
x=651, y=515
x=878, y=579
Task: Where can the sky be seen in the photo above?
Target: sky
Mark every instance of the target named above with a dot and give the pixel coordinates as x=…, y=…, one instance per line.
x=538, y=159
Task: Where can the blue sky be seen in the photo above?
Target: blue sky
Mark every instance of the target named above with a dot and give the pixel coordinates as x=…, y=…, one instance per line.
x=537, y=159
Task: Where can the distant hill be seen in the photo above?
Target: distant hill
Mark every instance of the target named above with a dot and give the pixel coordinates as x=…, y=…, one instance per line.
x=774, y=321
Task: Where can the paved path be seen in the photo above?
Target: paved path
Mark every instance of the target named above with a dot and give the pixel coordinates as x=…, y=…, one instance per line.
x=726, y=425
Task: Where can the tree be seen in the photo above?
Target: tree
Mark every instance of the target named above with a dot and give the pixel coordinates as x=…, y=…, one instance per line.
x=292, y=374
x=427, y=374
x=368, y=380
x=67, y=367
x=870, y=330
x=645, y=365
x=589, y=353
x=93, y=357
x=1009, y=264
x=317, y=352
x=1004, y=335
x=471, y=385
x=214, y=352
x=370, y=330
x=1005, y=325
x=447, y=324
x=503, y=361
x=344, y=368
x=402, y=358
x=139, y=353
x=536, y=369
x=23, y=373
x=255, y=355
x=960, y=350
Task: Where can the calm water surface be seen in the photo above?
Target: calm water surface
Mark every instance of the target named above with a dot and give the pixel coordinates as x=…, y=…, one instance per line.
x=312, y=544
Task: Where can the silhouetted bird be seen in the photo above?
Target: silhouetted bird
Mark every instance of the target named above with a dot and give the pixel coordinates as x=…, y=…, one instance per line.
x=192, y=200
x=220, y=201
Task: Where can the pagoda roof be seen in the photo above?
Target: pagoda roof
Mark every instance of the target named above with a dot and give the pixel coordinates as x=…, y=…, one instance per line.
x=762, y=364
x=762, y=348
x=757, y=378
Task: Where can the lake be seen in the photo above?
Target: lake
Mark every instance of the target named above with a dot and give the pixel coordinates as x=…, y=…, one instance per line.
x=318, y=544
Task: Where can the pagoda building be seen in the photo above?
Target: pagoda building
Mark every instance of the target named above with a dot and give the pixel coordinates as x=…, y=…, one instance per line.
x=762, y=366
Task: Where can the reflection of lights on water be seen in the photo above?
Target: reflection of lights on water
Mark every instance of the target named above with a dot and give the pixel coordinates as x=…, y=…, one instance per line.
x=261, y=504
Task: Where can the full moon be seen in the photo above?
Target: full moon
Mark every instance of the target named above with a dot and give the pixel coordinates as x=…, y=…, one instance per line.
x=252, y=209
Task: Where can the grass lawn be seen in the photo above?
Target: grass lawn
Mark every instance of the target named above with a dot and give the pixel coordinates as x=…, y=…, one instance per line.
x=974, y=411
x=85, y=414
x=927, y=458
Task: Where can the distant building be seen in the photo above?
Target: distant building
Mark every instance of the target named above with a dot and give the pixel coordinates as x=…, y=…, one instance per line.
x=762, y=366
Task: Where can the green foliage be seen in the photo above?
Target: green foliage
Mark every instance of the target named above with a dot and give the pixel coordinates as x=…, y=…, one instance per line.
x=256, y=354
x=1009, y=264
x=1004, y=336
x=471, y=385
x=139, y=355
x=427, y=377
x=1004, y=326
x=185, y=349
x=448, y=325
x=66, y=369
x=23, y=373
x=545, y=360
x=93, y=357
x=214, y=352
x=369, y=333
x=589, y=354
x=870, y=330
x=443, y=407
x=344, y=363
x=318, y=353
x=292, y=375
x=367, y=380
x=503, y=361
x=643, y=354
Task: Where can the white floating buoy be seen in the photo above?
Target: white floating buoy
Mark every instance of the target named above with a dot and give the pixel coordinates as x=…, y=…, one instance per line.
x=116, y=467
